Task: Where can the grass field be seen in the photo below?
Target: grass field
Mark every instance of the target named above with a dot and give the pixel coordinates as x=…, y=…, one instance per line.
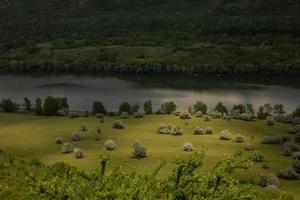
x=26, y=136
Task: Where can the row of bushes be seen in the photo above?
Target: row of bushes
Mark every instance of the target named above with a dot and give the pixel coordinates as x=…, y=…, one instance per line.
x=59, y=106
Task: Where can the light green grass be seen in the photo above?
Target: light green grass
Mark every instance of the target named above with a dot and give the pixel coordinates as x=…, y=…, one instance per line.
x=27, y=136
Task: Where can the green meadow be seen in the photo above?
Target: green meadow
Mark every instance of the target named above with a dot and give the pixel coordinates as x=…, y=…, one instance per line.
x=28, y=136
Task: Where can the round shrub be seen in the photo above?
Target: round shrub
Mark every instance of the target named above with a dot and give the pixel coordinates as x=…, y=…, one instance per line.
x=294, y=129
x=296, y=166
x=78, y=153
x=176, y=131
x=225, y=135
x=288, y=174
x=110, y=145
x=139, y=114
x=138, y=150
x=83, y=128
x=199, y=114
x=289, y=148
x=177, y=113
x=59, y=140
x=124, y=115
x=270, y=121
x=277, y=139
x=62, y=112
x=239, y=138
x=76, y=136
x=66, y=148
x=209, y=130
x=296, y=121
x=99, y=115
x=207, y=118
x=258, y=156
x=185, y=115
x=268, y=179
x=215, y=115
x=296, y=155
x=248, y=147
x=118, y=124
x=297, y=138
x=198, y=131
x=187, y=146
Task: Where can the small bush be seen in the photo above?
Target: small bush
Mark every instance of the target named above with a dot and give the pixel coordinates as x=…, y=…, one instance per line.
x=59, y=140
x=225, y=135
x=277, y=139
x=62, y=112
x=139, y=114
x=209, y=130
x=270, y=121
x=78, y=153
x=99, y=115
x=294, y=129
x=176, y=131
x=248, y=147
x=76, y=136
x=215, y=115
x=296, y=155
x=207, y=118
x=258, y=156
x=198, y=131
x=187, y=146
x=124, y=115
x=266, y=180
x=185, y=115
x=83, y=128
x=177, y=113
x=296, y=121
x=118, y=124
x=289, y=148
x=199, y=114
x=138, y=150
x=288, y=174
x=296, y=166
x=110, y=145
x=66, y=148
x=239, y=138
x=297, y=138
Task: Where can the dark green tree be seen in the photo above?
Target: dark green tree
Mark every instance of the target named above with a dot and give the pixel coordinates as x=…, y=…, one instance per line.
x=8, y=105
x=125, y=107
x=51, y=106
x=296, y=113
x=27, y=104
x=239, y=107
x=168, y=107
x=148, y=107
x=98, y=107
x=38, y=107
x=221, y=108
x=134, y=108
x=200, y=106
x=279, y=109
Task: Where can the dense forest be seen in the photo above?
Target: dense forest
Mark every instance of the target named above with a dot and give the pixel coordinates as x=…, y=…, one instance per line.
x=190, y=36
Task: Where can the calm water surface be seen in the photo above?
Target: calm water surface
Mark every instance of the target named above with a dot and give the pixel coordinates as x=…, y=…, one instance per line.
x=112, y=90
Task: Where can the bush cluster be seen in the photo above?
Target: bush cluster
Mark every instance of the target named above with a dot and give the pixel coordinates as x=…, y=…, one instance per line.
x=277, y=139
x=288, y=118
x=76, y=136
x=138, y=150
x=225, y=135
x=110, y=145
x=294, y=129
x=289, y=148
x=118, y=124
x=288, y=174
x=187, y=146
x=169, y=129
x=268, y=179
x=215, y=115
x=185, y=115
x=66, y=148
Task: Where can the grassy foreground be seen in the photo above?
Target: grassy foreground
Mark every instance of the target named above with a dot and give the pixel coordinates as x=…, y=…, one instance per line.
x=28, y=136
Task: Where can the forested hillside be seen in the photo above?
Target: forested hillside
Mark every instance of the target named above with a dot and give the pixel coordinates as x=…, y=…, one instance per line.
x=193, y=36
